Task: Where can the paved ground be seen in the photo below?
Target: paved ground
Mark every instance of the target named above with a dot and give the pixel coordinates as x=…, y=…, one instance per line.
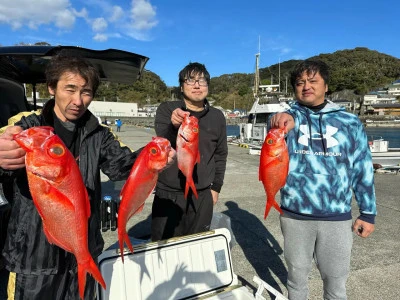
x=375, y=267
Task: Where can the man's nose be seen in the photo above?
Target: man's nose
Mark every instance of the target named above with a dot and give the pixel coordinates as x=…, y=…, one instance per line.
x=77, y=99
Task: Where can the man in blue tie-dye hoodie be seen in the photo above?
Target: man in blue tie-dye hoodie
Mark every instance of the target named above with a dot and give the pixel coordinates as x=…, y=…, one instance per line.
x=329, y=162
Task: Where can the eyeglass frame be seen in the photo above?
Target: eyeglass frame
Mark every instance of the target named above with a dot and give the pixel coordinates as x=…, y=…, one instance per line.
x=196, y=80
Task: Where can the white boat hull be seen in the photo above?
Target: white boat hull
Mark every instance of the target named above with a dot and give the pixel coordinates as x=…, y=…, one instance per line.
x=385, y=159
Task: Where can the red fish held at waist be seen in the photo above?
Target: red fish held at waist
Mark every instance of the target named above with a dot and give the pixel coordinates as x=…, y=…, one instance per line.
x=60, y=196
x=187, y=150
x=141, y=181
x=274, y=166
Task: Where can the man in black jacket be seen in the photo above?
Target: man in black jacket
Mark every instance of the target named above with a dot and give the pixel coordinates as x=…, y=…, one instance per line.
x=172, y=215
x=39, y=270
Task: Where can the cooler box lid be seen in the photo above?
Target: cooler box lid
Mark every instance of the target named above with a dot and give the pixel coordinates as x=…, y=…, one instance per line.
x=177, y=268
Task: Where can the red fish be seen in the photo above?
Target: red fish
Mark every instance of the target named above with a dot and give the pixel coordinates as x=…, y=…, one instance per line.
x=274, y=166
x=139, y=185
x=60, y=196
x=187, y=150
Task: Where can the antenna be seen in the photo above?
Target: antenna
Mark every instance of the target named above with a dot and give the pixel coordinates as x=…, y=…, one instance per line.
x=257, y=74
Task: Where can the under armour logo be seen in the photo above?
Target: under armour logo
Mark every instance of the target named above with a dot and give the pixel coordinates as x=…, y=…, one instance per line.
x=330, y=140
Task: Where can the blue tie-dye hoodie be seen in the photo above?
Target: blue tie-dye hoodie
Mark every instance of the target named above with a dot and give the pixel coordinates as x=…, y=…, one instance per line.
x=329, y=158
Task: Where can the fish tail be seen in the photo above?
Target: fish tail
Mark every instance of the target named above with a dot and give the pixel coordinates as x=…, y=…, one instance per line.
x=190, y=183
x=186, y=189
x=267, y=209
x=123, y=237
x=91, y=268
x=278, y=208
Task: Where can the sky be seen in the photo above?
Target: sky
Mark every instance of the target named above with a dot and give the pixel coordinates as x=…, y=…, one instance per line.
x=224, y=35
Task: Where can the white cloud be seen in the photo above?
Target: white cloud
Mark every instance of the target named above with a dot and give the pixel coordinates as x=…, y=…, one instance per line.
x=99, y=24
x=101, y=16
x=99, y=37
x=117, y=14
x=82, y=14
x=143, y=15
x=19, y=13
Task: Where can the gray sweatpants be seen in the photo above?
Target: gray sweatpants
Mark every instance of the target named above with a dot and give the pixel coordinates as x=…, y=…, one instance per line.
x=329, y=243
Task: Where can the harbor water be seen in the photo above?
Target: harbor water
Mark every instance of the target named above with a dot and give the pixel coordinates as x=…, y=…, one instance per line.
x=390, y=134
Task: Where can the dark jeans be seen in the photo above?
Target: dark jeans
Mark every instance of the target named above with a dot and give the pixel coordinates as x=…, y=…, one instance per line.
x=173, y=215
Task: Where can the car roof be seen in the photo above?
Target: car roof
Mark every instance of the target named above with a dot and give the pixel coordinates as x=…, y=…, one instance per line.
x=27, y=64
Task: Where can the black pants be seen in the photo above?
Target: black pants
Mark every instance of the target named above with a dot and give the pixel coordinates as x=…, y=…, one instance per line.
x=62, y=286
x=173, y=216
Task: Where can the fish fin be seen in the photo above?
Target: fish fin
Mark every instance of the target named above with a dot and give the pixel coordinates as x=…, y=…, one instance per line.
x=55, y=196
x=59, y=197
x=270, y=204
x=190, y=183
x=52, y=240
x=139, y=209
x=92, y=268
x=198, y=157
x=186, y=190
x=123, y=238
x=267, y=209
x=87, y=204
x=278, y=208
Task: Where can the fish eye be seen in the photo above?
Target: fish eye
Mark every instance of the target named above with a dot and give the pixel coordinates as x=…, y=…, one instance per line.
x=270, y=141
x=153, y=150
x=57, y=150
x=195, y=130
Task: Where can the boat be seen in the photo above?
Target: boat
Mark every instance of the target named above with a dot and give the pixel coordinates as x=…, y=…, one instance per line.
x=382, y=155
x=268, y=99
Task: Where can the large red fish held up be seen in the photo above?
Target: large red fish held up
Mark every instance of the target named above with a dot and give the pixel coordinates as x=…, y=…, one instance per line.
x=141, y=181
x=274, y=166
x=187, y=150
x=60, y=196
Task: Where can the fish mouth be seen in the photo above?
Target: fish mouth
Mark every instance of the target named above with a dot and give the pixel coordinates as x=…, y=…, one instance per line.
x=37, y=174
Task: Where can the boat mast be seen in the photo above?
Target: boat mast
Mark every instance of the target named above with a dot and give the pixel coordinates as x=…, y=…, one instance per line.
x=257, y=73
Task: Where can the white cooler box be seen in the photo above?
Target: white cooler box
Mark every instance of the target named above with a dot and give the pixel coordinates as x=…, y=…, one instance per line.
x=196, y=266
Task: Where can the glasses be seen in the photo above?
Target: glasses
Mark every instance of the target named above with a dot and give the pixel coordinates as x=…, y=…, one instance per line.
x=191, y=81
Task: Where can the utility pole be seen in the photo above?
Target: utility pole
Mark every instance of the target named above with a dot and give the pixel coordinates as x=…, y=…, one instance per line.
x=279, y=76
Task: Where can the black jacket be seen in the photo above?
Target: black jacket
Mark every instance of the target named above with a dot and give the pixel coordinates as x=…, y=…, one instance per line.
x=213, y=148
x=26, y=248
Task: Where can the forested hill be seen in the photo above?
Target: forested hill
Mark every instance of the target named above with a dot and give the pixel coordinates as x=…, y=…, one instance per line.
x=356, y=71
x=359, y=69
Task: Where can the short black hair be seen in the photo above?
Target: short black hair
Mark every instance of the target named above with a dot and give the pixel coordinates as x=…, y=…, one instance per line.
x=311, y=66
x=193, y=69
x=66, y=62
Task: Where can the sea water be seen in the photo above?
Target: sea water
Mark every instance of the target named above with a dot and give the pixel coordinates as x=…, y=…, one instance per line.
x=390, y=134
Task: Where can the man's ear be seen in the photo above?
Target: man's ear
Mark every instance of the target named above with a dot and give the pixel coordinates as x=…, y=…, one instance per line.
x=51, y=90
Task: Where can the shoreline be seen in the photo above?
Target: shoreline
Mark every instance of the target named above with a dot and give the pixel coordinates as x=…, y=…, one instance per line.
x=149, y=122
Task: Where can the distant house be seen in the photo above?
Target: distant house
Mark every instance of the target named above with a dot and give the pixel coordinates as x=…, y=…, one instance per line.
x=348, y=105
x=394, y=88
x=386, y=109
x=371, y=99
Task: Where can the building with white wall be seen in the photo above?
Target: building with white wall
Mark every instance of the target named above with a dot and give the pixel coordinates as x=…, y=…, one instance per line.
x=394, y=88
x=114, y=109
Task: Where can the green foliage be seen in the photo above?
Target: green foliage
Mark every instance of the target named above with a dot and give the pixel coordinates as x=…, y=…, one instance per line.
x=150, y=89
